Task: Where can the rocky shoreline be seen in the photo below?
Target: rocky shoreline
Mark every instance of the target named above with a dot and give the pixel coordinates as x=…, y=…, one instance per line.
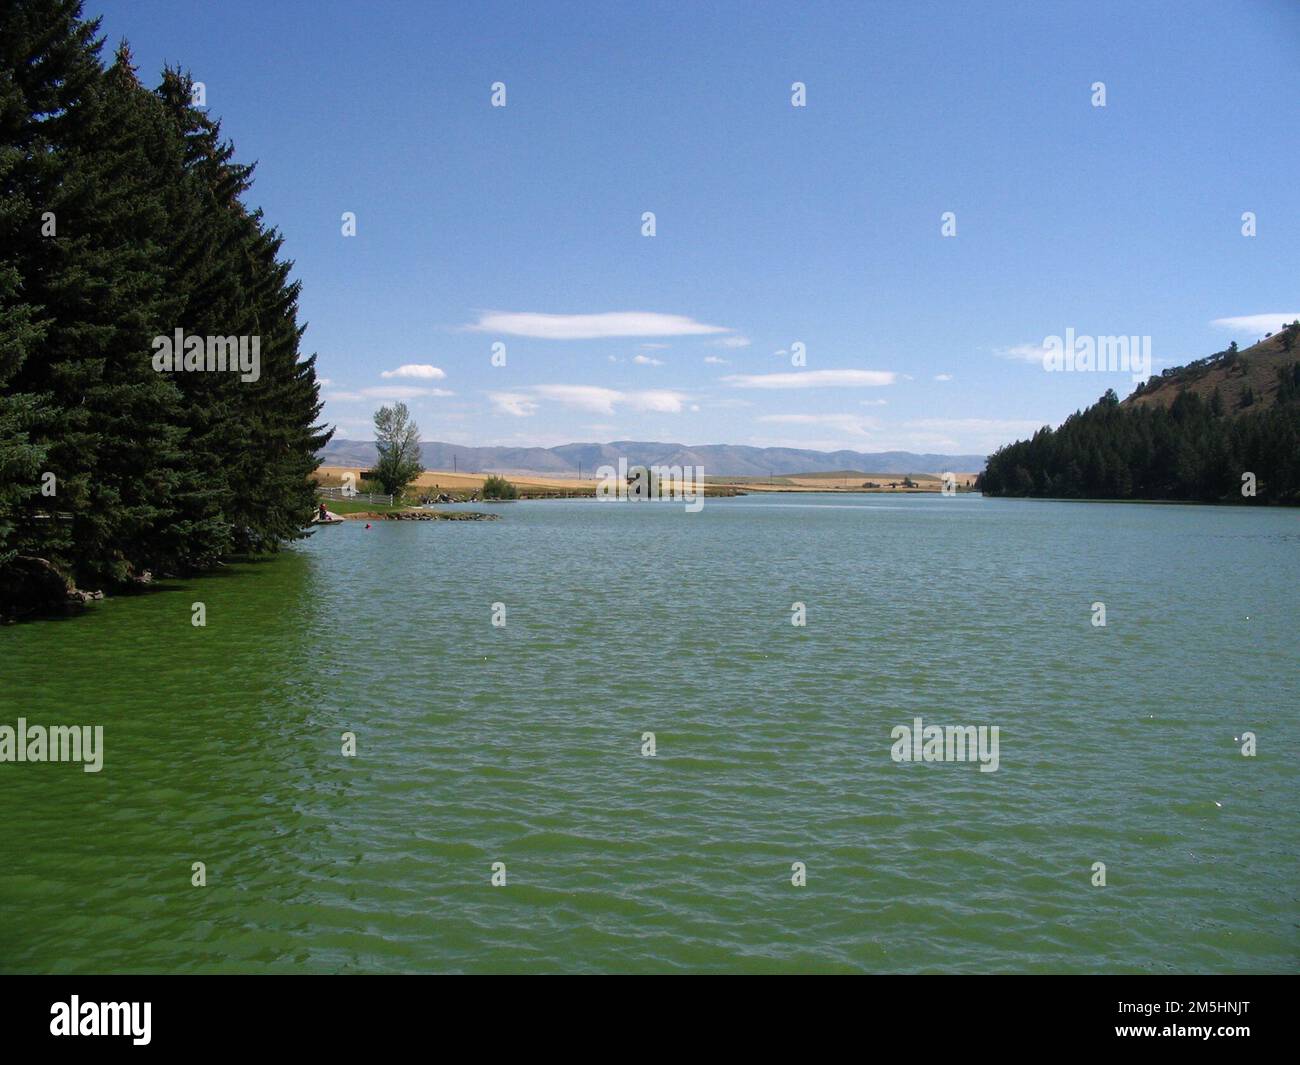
x=35, y=587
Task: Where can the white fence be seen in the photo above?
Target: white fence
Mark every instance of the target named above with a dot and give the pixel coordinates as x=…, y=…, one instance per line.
x=354, y=496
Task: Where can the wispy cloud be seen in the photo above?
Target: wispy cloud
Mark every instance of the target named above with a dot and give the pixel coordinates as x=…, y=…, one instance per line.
x=851, y=424
x=605, y=400
x=733, y=342
x=402, y=392
x=416, y=369
x=646, y=360
x=943, y=377
x=836, y=430
x=513, y=403
x=969, y=434
x=814, y=379
x=715, y=360
x=355, y=428
x=591, y=326
x=662, y=401
x=1257, y=324
x=1024, y=353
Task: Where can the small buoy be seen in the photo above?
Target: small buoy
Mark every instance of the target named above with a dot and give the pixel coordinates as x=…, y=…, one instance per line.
x=367, y=525
x=1218, y=804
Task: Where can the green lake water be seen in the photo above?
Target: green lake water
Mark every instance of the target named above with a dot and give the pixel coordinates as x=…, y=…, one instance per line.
x=523, y=745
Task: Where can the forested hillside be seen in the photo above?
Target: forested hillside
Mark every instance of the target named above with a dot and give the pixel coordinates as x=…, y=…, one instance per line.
x=1203, y=432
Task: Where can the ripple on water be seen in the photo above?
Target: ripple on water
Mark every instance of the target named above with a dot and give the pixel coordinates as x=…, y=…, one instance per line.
x=523, y=745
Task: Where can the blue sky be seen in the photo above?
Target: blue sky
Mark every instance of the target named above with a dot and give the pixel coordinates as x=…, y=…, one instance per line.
x=775, y=224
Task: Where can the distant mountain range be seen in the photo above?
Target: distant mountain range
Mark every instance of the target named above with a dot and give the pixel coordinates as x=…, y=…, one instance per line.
x=721, y=460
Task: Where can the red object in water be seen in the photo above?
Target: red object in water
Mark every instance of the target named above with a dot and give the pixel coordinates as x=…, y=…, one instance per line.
x=367, y=525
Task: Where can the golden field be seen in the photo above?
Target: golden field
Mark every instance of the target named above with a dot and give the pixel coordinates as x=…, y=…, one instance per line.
x=848, y=481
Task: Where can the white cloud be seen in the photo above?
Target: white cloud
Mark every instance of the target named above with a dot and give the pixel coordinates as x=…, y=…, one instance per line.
x=1025, y=353
x=591, y=326
x=403, y=392
x=586, y=397
x=873, y=402
x=416, y=369
x=1257, y=324
x=660, y=400
x=604, y=400
x=714, y=360
x=342, y=397
x=355, y=428
x=513, y=403
x=970, y=434
x=733, y=342
x=953, y=435
x=814, y=379
x=324, y=381
x=655, y=347
x=851, y=424
x=943, y=377
x=645, y=360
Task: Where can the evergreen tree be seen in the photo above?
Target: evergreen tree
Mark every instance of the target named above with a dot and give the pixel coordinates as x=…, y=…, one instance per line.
x=112, y=439
x=48, y=65
x=122, y=220
x=1186, y=451
x=237, y=285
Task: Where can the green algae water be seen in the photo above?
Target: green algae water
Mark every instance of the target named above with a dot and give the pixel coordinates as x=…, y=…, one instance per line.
x=523, y=744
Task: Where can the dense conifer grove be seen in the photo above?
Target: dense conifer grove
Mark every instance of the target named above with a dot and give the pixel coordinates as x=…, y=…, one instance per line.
x=1193, y=449
x=122, y=219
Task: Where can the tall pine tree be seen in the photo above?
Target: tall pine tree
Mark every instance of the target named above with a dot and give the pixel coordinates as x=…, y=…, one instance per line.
x=123, y=220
